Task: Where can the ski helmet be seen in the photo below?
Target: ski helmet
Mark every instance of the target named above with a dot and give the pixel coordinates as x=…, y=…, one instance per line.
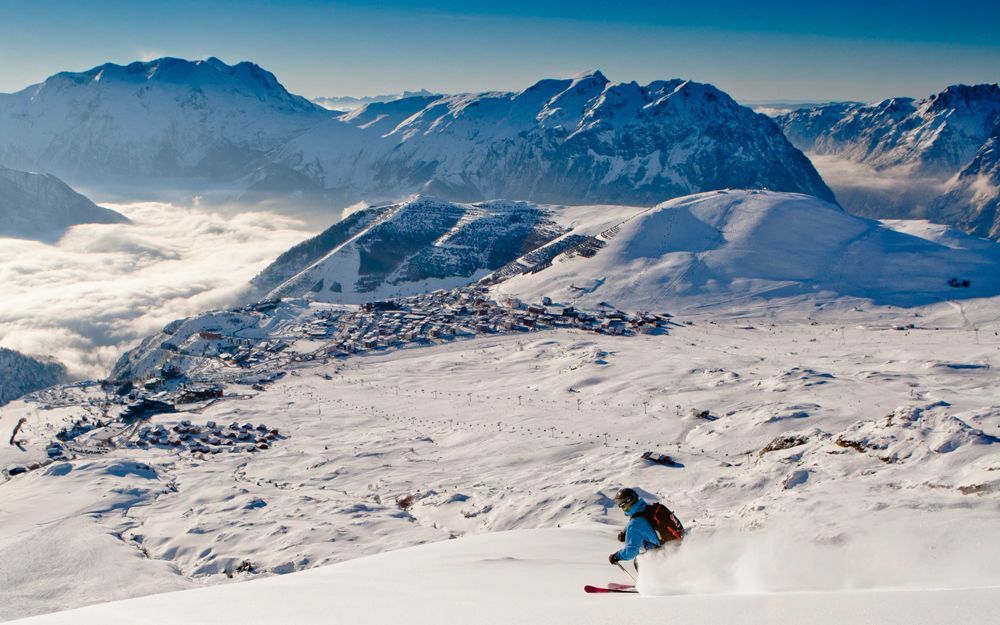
x=625, y=498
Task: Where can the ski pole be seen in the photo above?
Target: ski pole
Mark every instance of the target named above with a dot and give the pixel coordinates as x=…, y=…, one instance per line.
x=624, y=570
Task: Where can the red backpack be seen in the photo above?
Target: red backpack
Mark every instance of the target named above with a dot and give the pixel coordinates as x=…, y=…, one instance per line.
x=665, y=523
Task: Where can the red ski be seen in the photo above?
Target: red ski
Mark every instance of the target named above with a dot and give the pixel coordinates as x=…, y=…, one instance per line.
x=620, y=588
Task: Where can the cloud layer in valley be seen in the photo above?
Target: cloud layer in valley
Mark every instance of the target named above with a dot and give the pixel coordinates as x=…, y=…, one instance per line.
x=885, y=193
x=102, y=287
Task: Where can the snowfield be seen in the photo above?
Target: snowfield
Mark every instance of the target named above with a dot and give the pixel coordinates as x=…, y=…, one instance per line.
x=893, y=487
x=527, y=576
x=824, y=386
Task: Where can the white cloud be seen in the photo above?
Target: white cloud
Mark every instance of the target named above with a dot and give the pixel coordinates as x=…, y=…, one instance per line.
x=103, y=287
x=897, y=192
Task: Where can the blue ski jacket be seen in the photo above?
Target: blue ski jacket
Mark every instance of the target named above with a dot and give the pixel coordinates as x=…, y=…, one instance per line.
x=639, y=534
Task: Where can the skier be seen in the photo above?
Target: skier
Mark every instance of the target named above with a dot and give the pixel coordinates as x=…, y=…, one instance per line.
x=649, y=527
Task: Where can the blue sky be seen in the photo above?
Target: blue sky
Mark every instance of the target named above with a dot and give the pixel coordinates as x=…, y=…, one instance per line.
x=755, y=51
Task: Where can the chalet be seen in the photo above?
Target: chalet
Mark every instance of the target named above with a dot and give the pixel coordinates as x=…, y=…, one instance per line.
x=614, y=326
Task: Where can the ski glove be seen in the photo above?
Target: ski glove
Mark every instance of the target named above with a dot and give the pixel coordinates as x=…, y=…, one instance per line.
x=613, y=558
x=621, y=536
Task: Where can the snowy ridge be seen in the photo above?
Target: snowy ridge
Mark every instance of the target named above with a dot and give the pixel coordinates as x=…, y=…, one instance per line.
x=40, y=206
x=576, y=140
x=728, y=246
x=402, y=249
x=153, y=120
x=349, y=103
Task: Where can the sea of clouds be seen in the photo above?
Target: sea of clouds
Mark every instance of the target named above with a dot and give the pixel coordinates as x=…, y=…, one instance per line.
x=101, y=288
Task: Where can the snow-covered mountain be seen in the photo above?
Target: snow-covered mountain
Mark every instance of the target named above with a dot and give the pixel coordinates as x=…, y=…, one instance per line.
x=349, y=103
x=410, y=247
x=946, y=140
x=729, y=246
x=40, y=206
x=578, y=140
x=152, y=120
x=972, y=198
x=718, y=246
x=20, y=374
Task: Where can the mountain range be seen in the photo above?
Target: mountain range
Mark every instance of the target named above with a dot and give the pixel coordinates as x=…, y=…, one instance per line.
x=42, y=207
x=171, y=123
x=944, y=145
x=349, y=103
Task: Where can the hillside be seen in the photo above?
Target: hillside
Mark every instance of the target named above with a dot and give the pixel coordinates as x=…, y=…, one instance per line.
x=744, y=247
x=42, y=207
x=775, y=426
x=513, y=577
x=20, y=374
x=407, y=248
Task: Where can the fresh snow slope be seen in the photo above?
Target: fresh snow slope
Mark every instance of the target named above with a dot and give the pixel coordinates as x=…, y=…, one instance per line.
x=576, y=141
x=739, y=248
x=514, y=577
x=941, y=150
x=172, y=124
x=20, y=374
x=42, y=207
x=411, y=247
x=151, y=121
x=896, y=468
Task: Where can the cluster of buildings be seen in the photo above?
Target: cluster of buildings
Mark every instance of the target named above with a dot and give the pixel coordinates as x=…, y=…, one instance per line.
x=461, y=312
x=199, y=363
x=210, y=438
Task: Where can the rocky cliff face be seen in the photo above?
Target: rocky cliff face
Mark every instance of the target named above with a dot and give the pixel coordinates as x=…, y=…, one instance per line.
x=580, y=140
x=42, y=207
x=20, y=374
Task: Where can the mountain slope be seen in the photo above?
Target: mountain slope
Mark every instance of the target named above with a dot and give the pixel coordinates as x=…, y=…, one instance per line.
x=972, y=198
x=926, y=158
x=579, y=140
x=728, y=246
x=20, y=374
x=152, y=120
x=40, y=206
x=513, y=577
x=401, y=249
